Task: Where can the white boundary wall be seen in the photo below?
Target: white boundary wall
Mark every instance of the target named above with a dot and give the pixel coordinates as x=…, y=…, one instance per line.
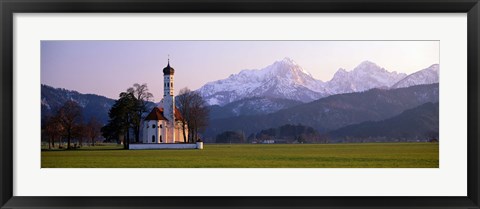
x=165, y=146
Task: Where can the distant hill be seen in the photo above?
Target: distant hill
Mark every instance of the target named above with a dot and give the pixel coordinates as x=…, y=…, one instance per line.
x=93, y=105
x=335, y=111
x=420, y=123
x=251, y=106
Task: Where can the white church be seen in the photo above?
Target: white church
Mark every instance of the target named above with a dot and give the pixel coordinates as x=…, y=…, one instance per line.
x=163, y=126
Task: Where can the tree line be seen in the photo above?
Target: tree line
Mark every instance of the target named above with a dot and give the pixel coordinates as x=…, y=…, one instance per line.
x=284, y=134
x=67, y=123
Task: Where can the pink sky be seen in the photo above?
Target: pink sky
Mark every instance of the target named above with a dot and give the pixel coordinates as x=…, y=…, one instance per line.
x=109, y=67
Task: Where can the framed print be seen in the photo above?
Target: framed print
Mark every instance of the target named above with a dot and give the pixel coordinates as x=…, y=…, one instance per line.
x=265, y=104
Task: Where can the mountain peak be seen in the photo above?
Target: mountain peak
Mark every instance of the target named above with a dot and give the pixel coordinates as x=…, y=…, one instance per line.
x=367, y=62
x=434, y=67
x=288, y=60
x=368, y=66
x=288, y=65
x=341, y=70
x=365, y=76
x=282, y=79
x=426, y=76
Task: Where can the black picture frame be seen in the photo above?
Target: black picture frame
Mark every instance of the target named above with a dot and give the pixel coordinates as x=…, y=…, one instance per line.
x=10, y=7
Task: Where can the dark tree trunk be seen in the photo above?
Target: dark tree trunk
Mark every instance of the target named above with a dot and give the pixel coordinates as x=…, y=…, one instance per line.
x=137, y=134
x=196, y=136
x=190, y=135
x=184, y=133
x=69, y=139
x=127, y=140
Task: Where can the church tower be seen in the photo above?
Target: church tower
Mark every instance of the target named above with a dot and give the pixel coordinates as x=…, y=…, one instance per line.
x=169, y=102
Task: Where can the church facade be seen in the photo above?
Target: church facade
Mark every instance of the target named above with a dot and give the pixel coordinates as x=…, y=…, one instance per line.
x=164, y=123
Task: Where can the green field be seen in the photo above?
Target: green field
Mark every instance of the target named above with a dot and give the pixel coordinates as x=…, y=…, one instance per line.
x=371, y=155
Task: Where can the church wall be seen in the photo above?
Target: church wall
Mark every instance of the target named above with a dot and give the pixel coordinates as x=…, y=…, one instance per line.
x=160, y=132
x=164, y=146
x=153, y=128
x=144, y=132
x=179, y=132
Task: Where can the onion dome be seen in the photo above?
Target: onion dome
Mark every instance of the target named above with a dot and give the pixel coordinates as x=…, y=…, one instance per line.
x=168, y=70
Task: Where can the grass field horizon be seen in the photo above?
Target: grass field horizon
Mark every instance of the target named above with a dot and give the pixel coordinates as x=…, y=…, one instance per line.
x=352, y=155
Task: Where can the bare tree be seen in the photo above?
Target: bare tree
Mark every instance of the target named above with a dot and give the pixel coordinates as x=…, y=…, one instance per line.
x=79, y=132
x=142, y=96
x=93, y=129
x=199, y=115
x=183, y=103
x=70, y=116
x=52, y=129
x=194, y=111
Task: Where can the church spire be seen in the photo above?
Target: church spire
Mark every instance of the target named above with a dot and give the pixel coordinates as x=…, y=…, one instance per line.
x=168, y=70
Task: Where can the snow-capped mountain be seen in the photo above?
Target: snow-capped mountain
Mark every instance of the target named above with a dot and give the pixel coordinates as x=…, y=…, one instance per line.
x=365, y=76
x=283, y=79
x=426, y=76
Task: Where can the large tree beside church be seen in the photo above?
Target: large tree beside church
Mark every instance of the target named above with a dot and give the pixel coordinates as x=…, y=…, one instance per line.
x=141, y=96
x=195, y=113
x=127, y=114
x=121, y=116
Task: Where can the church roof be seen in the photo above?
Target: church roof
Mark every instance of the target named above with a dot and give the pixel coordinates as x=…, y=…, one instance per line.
x=168, y=70
x=157, y=114
x=178, y=114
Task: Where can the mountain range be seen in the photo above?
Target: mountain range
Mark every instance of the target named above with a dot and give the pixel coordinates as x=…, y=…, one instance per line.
x=334, y=111
x=285, y=79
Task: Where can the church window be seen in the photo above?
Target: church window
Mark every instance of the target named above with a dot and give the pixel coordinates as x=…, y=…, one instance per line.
x=153, y=126
x=160, y=126
x=171, y=84
x=153, y=138
x=161, y=138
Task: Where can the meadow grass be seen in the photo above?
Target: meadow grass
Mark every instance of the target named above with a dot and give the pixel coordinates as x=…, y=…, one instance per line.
x=361, y=155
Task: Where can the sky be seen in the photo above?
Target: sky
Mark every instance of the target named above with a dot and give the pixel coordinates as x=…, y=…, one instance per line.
x=109, y=67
